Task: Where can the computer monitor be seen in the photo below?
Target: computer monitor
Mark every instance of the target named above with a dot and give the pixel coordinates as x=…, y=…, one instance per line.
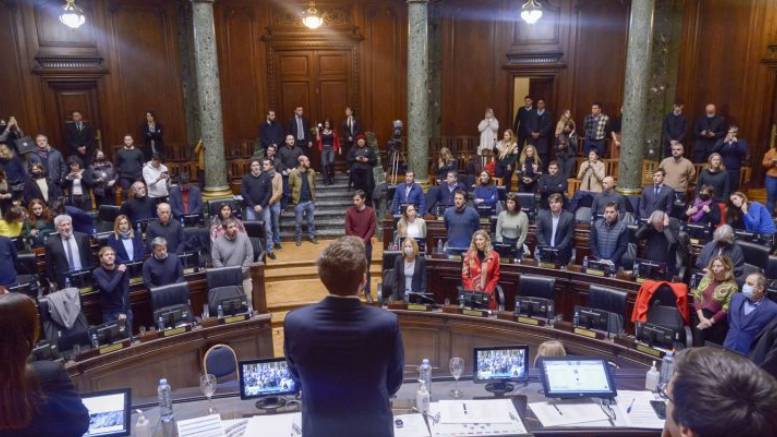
x=531, y=306
x=485, y=211
x=569, y=377
x=191, y=219
x=266, y=380
x=135, y=269
x=602, y=265
x=232, y=306
x=81, y=279
x=648, y=269
x=172, y=317
x=657, y=335
x=591, y=318
x=549, y=255
x=109, y=412
x=497, y=367
x=190, y=261
x=110, y=332
x=699, y=232
x=505, y=251
x=473, y=299
x=44, y=351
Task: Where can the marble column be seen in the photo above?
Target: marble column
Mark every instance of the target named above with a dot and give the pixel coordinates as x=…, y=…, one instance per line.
x=418, y=87
x=635, y=99
x=209, y=98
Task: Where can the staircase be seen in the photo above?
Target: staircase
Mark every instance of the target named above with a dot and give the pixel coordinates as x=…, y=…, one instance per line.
x=331, y=203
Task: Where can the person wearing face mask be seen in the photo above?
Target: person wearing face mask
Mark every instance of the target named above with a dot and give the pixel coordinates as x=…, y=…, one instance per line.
x=410, y=270
x=39, y=186
x=711, y=302
x=749, y=312
x=709, y=128
x=77, y=184
x=704, y=209
x=733, y=150
x=722, y=244
x=112, y=282
x=675, y=127
x=161, y=268
x=127, y=245
x=103, y=179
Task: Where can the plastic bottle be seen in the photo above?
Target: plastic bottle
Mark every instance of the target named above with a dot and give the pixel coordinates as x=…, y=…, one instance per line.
x=220, y=312
x=422, y=397
x=165, y=401
x=67, y=282
x=576, y=319
x=439, y=246
x=142, y=426
x=161, y=323
x=585, y=263
x=425, y=374
x=651, y=379
x=95, y=341
x=667, y=369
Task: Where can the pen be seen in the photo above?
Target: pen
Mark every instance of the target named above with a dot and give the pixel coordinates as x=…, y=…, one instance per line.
x=628, y=410
x=465, y=408
x=559, y=411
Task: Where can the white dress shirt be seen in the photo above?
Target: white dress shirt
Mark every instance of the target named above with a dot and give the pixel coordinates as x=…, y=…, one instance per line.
x=150, y=175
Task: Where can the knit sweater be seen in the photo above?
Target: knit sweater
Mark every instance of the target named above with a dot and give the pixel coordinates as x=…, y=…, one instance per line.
x=360, y=223
x=512, y=226
x=461, y=224
x=228, y=253
x=678, y=173
x=718, y=180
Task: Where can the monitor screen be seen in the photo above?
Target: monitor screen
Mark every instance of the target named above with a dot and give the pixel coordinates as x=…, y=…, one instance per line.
x=109, y=412
x=576, y=378
x=266, y=378
x=506, y=363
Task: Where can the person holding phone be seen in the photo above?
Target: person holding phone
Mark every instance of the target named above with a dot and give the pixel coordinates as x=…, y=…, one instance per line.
x=157, y=178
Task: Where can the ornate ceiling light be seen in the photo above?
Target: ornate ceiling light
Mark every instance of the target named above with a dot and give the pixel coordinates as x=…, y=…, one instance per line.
x=531, y=11
x=311, y=18
x=72, y=16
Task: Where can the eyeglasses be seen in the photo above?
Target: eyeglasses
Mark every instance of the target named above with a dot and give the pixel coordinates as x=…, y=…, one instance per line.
x=663, y=394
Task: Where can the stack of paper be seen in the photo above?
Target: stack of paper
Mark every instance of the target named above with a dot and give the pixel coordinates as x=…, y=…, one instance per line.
x=207, y=426
x=482, y=417
x=410, y=425
x=289, y=424
x=641, y=414
x=570, y=413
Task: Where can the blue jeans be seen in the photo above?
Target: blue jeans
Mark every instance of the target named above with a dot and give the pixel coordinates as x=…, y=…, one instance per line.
x=305, y=208
x=594, y=144
x=267, y=217
x=771, y=193
x=252, y=215
x=275, y=213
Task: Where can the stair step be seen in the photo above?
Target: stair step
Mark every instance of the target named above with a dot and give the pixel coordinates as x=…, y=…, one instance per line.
x=320, y=233
x=302, y=272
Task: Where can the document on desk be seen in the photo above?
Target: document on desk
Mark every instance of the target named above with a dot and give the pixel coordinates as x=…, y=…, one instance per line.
x=410, y=425
x=206, y=426
x=493, y=417
x=641, y=414
x=289, y=424
x=569, y=413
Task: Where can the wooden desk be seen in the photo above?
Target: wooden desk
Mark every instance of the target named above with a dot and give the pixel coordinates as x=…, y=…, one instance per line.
x=177, y=358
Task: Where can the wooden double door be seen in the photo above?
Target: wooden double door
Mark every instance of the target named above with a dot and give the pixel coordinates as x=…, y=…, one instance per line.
x=318, y=80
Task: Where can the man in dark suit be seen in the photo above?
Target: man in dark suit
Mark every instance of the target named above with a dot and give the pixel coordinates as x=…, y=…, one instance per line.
x=408, y=193
x=749, y=312
x=185, y=198
x=657, y=196
x=674, y=128
x=299, y=127
x=661, y=235
x=79, y=138
x=348, y=357
x=350, y=128
x=521, y=123
x=540, y=129
x=709, y=128
x=66, y=252
x=270, y=132
x=556, y=227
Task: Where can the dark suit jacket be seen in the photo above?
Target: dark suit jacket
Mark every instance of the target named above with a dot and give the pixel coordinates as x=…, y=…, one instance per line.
x=83, y=137
x=32, y=191
x=764, y=352
x=743, y=329
x=56, y=258
x=139, y=250
x=61, y=412
x=521, y=120
x=356, y=129
x=349, y=359
x=416, y=197
x=419, y=276
x=271, y=133
x=651, y=202
x=176, y=200
x=716, y=124
x=542, y=124
x=292, y=129
x=564, y=232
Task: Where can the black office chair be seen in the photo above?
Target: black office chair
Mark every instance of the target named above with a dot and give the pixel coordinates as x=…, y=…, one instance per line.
x=223, y=276
x=663, y=311
x=388, y=287
x=528, y=202
x=58, y=334
x=106, y=216
x=26, y=263
x=256, y=233
x=537, y=286
x=755, y=254
x=173, y=297
x=389, y=258
x=771, y=267
x=610, y=300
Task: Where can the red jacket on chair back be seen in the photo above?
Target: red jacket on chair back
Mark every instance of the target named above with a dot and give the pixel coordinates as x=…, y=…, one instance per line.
x=646, y=291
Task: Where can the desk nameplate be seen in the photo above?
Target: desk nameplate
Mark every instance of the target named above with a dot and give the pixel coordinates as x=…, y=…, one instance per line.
x=417, y=307
x=529, y=321
x=111, y=348
x=476, y=313
x=174, y=331
x=649, y=350
x=235, y=319
x=588, y=333
x=595, y=272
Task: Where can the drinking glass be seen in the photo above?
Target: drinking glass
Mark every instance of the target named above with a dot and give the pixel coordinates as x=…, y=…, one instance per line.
x=208, y=387
x=205, y=312
x=456, y=366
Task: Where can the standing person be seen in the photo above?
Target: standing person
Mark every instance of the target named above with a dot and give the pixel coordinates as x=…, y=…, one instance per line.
x=550, y=183
x=658, y=196
x=161, y=268
x=360, y=221
x=362, y=159
x=480, y=268
x=749, y=313
x=270, y=132
x=596, y=125
x=566, y=144
x=715, y=175
x=679, y=172
x=485, y=193
x=289, y=155
x=461, y=221
x=79, y=137
x=506, y=152
x=704, y=209
x=40, y=186
x=157, y=178
x=409, y=193
x=445, y=163
x=217, y=222
x=607, y=196
x=38, y=398
x=592, y=173
x=512, y=225
x=350, y=128
x=234, y=249
x=112, y=282
x=276, y=183
x=127, y=245
x=103, y=179
x=540, y=126
x=77, y=184
x=711, y=301
x=329, y=145
x=754, y=215
x=409, y=271
x=167, y=228
x=50, y=158
x=299, y=128
x=769, y=163
x=411, y=226
x=39, y=223
x=520, y=125
x=14, y=170
x=152, y=137
x=674, y=128
x=341, y=343
x=609, y=237
x=185, y=198
x=733, y=151
x=529, y=169
x=303, y=195
x=138, y=205
x=556, y=228
x=129, y=164
x=489, y=129
x=709, y=128
x=256, y=189
x=67, y=252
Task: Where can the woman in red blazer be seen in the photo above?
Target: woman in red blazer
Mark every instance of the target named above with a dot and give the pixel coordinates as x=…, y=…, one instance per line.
x=480, y=271
x=328, y=145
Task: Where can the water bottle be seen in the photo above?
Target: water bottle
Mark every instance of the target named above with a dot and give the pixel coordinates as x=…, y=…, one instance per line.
x=439, y=246
x=422, y=397
x=221, y=312
x=161, y=323
x=142, y=426
x=576, y=319
x=165, y=401
x=585, y=263
x=182, y=222
x=425, y=374
x=94, y=231
x=667, y=369
x=651, y=379
x=67, y=282
x=95, y=341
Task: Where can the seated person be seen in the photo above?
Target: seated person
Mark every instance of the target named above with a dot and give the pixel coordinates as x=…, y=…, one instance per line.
x=556, y=228
x=161, y=268
x=661, y=234
x=485, y=192
x=38, y=398
x=607, y=196
x=7, y=262
x=446, y=190
x=609, y=237
x=138, y=205
x=512, y=225
x=112, y=282
x=66, y=252
x=752, y=215
x=127, y=245
x=461, y=221
x=723, y=244
x=12, y=222
x=217, y=222
x=185, y=198
x=408, y=193
x=749, y=312
x=410, y=225
x=711, y=300
x=658, y=196
x=77, y=184
x=167, y=228
x=409, y=271
x=529, y=168
x=445, y=164
x=591, y=173
x=552, y=182
x=704, y=210
x=480, y=269
x=549, y=349
x=39, y=223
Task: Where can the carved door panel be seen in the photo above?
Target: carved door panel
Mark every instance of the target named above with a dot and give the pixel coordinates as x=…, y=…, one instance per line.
x=61, y=99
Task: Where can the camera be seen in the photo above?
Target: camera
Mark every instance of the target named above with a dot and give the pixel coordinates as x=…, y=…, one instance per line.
x=395, y=142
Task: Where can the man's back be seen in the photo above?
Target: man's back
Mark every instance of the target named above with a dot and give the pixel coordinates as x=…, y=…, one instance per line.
x=349, y=359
